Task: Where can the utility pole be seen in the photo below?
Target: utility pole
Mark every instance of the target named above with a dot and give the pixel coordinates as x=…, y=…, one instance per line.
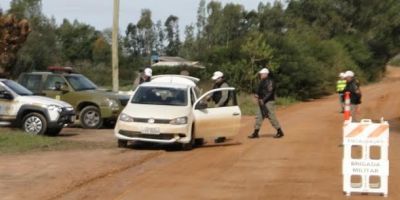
x=115, y=66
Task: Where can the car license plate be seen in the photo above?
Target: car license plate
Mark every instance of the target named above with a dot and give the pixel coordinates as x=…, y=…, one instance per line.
x=151, y=130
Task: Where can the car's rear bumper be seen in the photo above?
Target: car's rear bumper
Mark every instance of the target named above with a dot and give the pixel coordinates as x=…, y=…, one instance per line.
x=168, y=133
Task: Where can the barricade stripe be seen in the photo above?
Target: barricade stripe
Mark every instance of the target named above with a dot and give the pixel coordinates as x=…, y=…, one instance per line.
x=357, y=131
x=379, y=131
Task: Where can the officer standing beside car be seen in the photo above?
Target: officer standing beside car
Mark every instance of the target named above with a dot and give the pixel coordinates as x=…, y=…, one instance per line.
x=221, y=98
x=266, y=101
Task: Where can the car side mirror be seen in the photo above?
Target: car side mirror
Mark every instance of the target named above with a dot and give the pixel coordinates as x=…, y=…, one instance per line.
x=6, y=95
x=201, y=106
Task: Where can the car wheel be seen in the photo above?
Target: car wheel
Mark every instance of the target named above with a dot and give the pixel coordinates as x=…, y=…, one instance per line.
x=34, y=123
x=90, y=117
x=189, y=146
x=54, y=131
x=122, y=143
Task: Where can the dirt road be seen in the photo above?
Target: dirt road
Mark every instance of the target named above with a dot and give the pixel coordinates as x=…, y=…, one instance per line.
x=305, y=164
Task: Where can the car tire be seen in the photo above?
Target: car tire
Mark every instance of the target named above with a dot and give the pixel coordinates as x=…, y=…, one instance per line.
x=189, y=146
x=54, y=131
x=90, y=117
x=34, y=123
x=122, y=143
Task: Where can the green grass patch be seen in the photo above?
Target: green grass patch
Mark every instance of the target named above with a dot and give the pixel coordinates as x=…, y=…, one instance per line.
x=395, y=61
x=20, y=142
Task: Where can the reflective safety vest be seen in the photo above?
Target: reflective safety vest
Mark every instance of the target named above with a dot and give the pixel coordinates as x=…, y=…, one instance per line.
x=340, y=85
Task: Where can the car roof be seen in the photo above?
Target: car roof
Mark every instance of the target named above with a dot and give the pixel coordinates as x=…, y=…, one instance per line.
x=51, y=73
x=164, y=85
x=175, y=79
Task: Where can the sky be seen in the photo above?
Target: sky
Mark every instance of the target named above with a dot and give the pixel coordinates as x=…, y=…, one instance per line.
x=98, y=13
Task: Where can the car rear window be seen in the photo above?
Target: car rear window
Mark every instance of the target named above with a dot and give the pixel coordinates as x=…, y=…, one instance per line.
x=160, y=96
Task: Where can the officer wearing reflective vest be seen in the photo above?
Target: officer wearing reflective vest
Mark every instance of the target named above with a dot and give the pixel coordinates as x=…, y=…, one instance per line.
x=340, y=85
x=266, y=101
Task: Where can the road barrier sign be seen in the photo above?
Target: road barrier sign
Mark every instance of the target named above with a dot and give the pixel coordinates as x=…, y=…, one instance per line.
x=365, y=160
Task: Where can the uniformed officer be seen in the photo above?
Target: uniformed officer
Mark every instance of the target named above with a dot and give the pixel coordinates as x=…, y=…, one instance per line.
x=266, y=100
x=353, y=87
x=340, y=85
x=146, y=77
x=220, y=98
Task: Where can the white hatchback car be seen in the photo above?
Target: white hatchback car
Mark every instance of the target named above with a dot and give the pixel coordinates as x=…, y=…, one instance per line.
x=169, y=109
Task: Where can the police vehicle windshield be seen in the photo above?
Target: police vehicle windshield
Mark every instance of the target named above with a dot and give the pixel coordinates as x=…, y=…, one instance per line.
x=17, y=88
x=80, y=83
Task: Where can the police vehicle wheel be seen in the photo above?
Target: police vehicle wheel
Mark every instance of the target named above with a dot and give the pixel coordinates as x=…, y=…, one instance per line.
x=34, y=123
x=122, y=143
x=90, y=117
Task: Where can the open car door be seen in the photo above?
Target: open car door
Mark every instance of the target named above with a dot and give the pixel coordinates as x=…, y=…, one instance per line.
x=214, y=122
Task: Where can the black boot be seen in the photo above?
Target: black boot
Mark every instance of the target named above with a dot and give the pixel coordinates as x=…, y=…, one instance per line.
x=279, y=133
x=254, y=134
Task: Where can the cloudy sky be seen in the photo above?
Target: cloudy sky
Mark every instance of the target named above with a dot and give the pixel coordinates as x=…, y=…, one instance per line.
x=98, y=13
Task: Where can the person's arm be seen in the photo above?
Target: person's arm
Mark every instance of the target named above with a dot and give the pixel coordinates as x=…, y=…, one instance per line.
x=224, y=95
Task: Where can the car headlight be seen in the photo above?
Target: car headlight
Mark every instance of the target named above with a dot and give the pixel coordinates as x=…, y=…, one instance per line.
x=54, y=108
x=125, y=118
x=112, y=103
x=179, y=121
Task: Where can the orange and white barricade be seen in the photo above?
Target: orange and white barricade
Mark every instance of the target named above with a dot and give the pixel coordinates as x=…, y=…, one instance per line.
x=365, y=161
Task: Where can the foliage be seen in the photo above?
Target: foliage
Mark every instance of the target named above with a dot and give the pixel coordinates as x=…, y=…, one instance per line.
x=13, y=33
x=304, y=43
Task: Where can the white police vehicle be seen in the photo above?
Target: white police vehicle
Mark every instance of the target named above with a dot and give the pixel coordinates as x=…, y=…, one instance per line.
x=34, y=114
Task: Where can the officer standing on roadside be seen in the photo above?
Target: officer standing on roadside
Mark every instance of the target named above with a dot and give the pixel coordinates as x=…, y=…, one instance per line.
x=353, y=87
x=266, y=99
x=340, y=85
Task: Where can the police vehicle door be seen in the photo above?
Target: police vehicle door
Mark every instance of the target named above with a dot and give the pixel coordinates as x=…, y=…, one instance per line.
x=214, y=122
x=52, y=86
x=6, y=101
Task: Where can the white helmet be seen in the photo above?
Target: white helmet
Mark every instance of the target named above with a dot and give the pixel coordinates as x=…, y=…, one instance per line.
x=264, y=71
x=217, y=75
x=349, y=74
x=148, y=72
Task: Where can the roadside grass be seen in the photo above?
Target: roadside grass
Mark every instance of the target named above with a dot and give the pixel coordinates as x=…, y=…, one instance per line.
x=395, y=61
x=12, y=141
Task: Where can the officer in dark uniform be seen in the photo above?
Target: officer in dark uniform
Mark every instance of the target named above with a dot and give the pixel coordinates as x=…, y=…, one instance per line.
x=353, y=87
x=220, y=98
x=146, y=76
x=266, y=100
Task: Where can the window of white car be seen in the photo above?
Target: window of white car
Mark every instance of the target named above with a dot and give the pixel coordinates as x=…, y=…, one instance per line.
x=161, y=96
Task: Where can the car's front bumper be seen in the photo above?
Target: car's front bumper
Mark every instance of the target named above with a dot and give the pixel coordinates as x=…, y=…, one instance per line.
x=65, y=117
x=133, y=131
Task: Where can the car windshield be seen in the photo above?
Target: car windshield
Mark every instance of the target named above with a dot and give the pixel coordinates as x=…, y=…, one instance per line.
x=80, y=83
x=17, y=88
x=160, y=96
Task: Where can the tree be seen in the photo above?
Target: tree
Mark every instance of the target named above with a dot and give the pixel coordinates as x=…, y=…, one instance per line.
x=172, y=30
x=40, y=49
x=76, y=40
x=13, y=33
x=145, y=32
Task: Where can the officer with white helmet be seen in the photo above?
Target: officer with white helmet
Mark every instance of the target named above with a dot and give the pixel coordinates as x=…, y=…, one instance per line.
x=220, y=98
x=353, y=87
x=265, y=96
x=146, y=76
